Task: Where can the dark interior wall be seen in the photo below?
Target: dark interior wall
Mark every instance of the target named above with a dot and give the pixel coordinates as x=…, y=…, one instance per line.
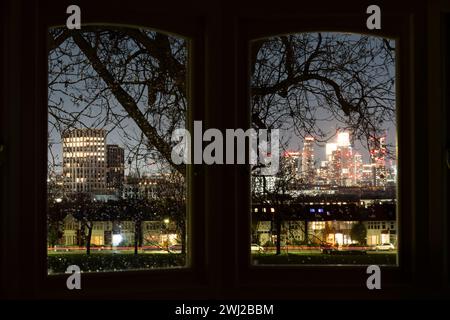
x=221, y=31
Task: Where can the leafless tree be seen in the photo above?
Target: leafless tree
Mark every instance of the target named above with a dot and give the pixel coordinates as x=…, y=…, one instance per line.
x=108, y=76
x=301, y=82
x=134, y=82
x=122, y=79
x=172, y=198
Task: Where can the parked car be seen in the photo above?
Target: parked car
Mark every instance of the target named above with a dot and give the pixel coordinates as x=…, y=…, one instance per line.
x=256, y=248
x=176, y=248
x=327, y=248
x=385, y=247
x=354, y=248
x=154, y=248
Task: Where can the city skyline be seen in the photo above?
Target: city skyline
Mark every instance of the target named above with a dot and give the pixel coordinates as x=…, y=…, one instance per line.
x=295, y=145
x=343, y=165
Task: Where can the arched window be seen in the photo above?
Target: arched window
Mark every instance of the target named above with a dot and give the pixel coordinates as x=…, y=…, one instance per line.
x=332, y=97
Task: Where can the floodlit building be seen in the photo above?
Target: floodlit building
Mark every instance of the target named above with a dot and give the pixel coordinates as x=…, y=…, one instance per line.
x=357, y=169
x=379, y=232
x=378, y=152
x=291, y=164
x=84, y=160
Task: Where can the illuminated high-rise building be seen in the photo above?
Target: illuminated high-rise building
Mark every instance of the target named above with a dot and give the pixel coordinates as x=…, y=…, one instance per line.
x=357, y=168
x=322, y=176
x=308, y=171
x=341, y=161
x=343, y=139
x=378, y=152
x=329, y=148
x=291, y=164
x=367, y=175
x=334, y=168
x=84, y=160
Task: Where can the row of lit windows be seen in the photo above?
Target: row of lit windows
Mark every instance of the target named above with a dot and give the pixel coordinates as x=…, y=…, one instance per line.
x=100, y=150
x=84, y=144
x=85, y=187
x=82, y=180
x=377, y=225
x=84, y=154
x=89, y=173
x=83, y=139
x=71, y=226
x=107, y=225
x=85, y=172
x=86, y=166
x=91, y=182
x=318, y=225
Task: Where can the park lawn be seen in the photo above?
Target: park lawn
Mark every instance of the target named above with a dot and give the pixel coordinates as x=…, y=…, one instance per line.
x=323, y=259
x=102, y=262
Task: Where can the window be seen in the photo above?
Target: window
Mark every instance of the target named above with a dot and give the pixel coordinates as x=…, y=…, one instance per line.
x=115, y=85
x=220, y=214
x=332, y=96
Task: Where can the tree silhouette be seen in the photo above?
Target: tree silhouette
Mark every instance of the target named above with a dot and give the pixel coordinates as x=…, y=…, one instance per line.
x=359, y=233
x=104, y=76
x=134, y=81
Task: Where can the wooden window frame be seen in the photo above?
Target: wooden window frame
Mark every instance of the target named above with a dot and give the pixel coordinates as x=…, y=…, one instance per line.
x=27, y=249
x=318, y=282
x=219, y=228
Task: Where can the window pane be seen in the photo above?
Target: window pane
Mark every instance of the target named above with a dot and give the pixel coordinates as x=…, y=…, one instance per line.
x=115, y=200
x=333, y=198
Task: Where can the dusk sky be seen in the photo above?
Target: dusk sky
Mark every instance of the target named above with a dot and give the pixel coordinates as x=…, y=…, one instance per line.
x=117, y=136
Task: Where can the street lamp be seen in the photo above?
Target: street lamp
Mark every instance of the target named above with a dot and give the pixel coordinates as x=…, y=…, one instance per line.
x=166, y=223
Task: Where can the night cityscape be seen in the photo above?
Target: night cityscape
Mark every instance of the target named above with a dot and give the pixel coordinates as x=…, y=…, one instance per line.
x=343, y=203
x=340, y=206
x=224, y=159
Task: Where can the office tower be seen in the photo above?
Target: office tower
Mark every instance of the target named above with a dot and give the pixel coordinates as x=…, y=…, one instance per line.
x=378, y=153
x=343, y=139
x=322, y=177
x=368, y=175
x=291, y=164
x=357, y=168
x=84, y=160
x=341, y=161
x=346, y=159
x=329, y=148
x=308, y=170
x=115, y=167
x=334, y=167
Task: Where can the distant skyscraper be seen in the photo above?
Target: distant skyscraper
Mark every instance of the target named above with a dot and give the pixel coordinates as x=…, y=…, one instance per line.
x=308, y=170
x=368, y=175
x=334, y=167
x=329, y=148
x=357, y=168
x=291, y=164
x=343, y=139
x=378, y=152
x=84, y=160
x=341, y=161
x=346, y=165
x=115, y=172
x=322, y=177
